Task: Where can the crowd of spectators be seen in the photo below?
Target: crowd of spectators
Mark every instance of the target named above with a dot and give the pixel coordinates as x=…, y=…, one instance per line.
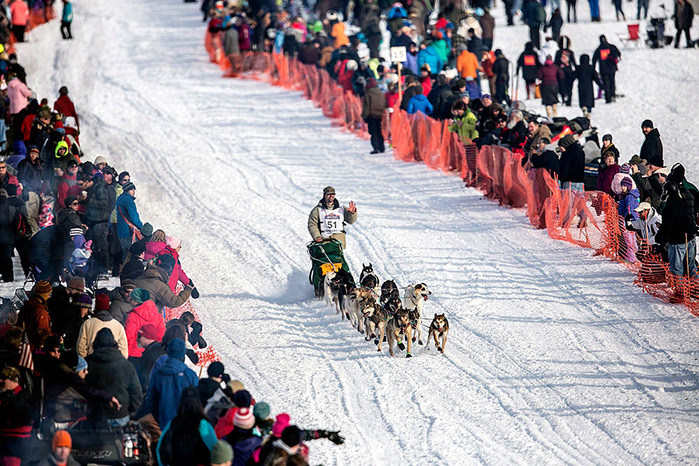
x=452, y=73
x=107, y=356
x=80, y=358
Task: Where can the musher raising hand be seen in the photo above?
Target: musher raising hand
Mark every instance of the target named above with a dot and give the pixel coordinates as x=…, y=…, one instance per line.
x=328, y=218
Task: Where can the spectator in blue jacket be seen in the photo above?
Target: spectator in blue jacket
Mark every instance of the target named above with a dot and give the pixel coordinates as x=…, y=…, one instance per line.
x=67, y=20
x=428, y=55
x=128, y=219
x=419, y=103
x=167, y=384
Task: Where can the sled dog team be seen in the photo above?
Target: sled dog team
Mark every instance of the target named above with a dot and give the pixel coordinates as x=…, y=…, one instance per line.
x=389, y=316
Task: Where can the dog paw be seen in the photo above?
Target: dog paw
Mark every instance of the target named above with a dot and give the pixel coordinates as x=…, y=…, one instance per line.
x=378, y=350
x=360, y=331
x=401, y=346
x=439, y=348
x=419, y=342
x=376, y=341
x=373, y=335
x=414, y=338
x=347, y=315
x=408, y=355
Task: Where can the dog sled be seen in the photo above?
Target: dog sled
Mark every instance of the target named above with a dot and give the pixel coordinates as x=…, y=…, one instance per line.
x=326, y=256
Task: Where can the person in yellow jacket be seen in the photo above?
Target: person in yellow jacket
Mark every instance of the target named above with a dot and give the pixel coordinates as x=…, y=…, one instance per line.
x=464, y=122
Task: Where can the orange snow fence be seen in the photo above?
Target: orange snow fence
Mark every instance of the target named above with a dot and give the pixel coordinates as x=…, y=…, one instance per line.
x=588, y=219
x=37, y=17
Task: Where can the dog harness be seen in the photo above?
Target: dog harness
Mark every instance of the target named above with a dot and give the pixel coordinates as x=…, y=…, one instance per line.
x=331, y=221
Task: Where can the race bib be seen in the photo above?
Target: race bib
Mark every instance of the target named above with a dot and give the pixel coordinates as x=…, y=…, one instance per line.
x=603, y=54
x=331, y=221
x=529, y=60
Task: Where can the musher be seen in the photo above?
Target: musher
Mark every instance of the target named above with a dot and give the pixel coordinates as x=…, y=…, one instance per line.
x=328, y=218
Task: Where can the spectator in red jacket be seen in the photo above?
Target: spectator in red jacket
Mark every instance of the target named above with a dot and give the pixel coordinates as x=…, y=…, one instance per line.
x=143, y=314
x=65, y=106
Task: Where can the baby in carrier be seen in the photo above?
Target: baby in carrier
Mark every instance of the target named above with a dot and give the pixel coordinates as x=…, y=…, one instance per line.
x=80, y=258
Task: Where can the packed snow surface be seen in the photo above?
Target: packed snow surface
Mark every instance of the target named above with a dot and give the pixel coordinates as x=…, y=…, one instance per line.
x=554, y=356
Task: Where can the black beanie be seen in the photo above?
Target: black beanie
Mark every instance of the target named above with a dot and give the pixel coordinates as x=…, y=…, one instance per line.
x=647, y=124
x=69, y=200
x=291, y=436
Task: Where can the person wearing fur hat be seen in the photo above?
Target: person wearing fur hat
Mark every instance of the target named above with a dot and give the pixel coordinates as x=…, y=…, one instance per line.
x=108, y=370
x=34, y=314
x=61, y=446
x=144, y=312
x=155, y=279
x=101, y=319
x=167, y=383
x=242, y=438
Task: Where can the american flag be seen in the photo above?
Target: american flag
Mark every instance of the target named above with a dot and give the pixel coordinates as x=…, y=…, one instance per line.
x=25, y=353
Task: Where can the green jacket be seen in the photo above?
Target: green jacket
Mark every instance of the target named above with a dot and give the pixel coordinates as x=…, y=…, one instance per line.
x=465, y=126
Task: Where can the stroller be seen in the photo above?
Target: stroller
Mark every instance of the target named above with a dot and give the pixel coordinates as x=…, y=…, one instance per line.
x=655, y=30
x=326, y=256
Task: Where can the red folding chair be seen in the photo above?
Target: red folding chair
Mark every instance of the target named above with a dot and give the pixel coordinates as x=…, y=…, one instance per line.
x=633, y=35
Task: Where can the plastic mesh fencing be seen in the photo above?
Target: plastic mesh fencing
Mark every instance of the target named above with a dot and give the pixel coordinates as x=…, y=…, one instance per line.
x=589, y=219
x=37, y=17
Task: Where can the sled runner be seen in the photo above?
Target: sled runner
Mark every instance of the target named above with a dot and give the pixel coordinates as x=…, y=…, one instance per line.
x=326, y=256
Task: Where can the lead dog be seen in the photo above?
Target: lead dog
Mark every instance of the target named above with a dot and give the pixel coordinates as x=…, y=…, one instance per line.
x=439, y=329
x=399, y=326
x=414, y=300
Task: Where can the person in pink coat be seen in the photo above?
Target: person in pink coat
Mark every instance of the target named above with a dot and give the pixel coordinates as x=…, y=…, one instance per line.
x=171, y=247
x=144, y=313
x=19, y=95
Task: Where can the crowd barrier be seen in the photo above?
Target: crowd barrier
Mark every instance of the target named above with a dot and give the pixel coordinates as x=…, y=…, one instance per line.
x=589, y=219
x=206, y=355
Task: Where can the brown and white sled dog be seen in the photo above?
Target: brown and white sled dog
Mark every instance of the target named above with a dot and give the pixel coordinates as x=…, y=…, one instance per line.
x=359, y=298
x=397, y=328
x=414, y=300
x=439, y=329
x=375, y=319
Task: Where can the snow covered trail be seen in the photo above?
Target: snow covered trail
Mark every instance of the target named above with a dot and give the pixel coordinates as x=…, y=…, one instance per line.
x=553, y=356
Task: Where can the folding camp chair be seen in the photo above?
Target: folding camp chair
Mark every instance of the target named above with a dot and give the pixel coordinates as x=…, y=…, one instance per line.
x=633, y=37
